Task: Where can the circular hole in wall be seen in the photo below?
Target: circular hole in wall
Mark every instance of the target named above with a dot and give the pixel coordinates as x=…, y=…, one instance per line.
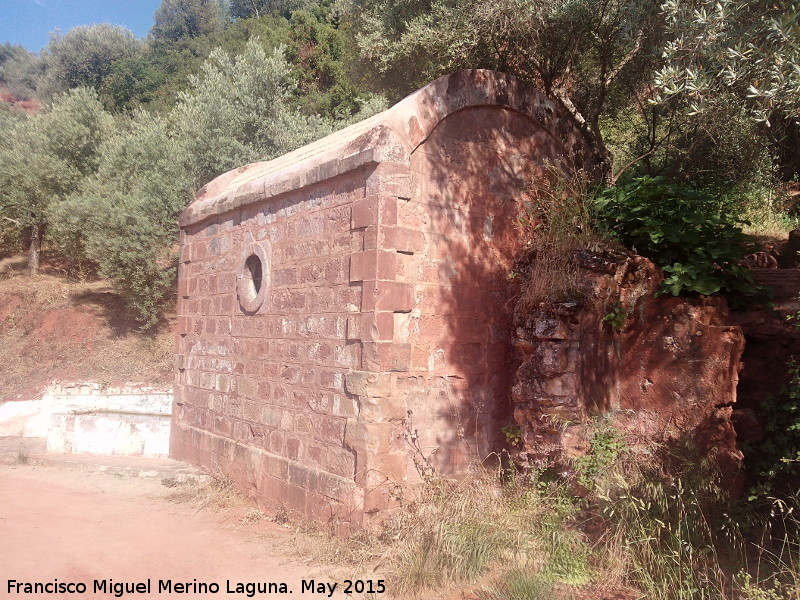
x=253, y=271
x=253, y=279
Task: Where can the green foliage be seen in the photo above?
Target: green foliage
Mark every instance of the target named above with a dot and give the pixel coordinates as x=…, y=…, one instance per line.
x=606, y=447
x=616, y=314
x=322, y=55
x=456, y=532
x=723, y=151
x=774, y=462
x=21, y=70
x=124, y=218
x=685, y=232
x=666, y=518
x=745, y=52
x=44, y=158
x=85, y=57
x=587, y=55
x=748, y=47
x=176, y=20
x=246, y=9
x=520, y=584
x=513, y=434
x=170, y=64
x=239, y=110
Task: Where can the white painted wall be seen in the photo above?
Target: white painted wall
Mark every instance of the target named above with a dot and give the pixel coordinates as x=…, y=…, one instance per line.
x=127, y=420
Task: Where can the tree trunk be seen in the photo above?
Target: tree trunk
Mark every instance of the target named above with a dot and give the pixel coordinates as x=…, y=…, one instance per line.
x=35, y=249
x=603, y=158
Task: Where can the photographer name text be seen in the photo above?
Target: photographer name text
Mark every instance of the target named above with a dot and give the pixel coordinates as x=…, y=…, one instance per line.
x=248, y=589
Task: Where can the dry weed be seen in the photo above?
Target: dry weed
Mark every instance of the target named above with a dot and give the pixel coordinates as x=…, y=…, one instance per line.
x=216, y=494
x=557, y=220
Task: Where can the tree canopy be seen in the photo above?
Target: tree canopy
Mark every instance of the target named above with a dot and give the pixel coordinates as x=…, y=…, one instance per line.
x=85, y=56
x=702, y=93
x=176, y=20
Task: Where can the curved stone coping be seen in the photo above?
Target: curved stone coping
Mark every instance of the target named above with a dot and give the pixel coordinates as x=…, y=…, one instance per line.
x=388, y=137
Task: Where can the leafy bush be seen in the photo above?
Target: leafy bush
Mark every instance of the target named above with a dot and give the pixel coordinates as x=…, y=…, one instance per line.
x=774, y=462
x=684, y=231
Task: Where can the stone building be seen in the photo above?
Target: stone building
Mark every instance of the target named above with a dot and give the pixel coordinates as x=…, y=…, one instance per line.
x=342, y=315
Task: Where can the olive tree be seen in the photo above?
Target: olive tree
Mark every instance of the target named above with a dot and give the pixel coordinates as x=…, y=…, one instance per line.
x=586, y=55
x=124, y=216
x=736, y=51
x=240, y=109
x=85, y=56
x=44, y=158
x=179, y=19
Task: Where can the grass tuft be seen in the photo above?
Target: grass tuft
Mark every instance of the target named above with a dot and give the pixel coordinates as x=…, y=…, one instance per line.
x=557, y=220
x=217, y=493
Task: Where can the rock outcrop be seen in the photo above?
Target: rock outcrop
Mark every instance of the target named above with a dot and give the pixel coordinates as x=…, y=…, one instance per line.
x=661, y=368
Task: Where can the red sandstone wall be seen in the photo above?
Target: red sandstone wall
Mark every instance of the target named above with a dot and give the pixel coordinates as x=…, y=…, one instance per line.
x=666, y=372
x=261, y=396
x=384, y=341
x=468, y=179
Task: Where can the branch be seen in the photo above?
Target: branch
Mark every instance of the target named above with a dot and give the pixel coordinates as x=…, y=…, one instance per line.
x=592, y=138
x=17, y=223
x=654, y=145
x=571, y=108
x=625, y=59
x=618, y=174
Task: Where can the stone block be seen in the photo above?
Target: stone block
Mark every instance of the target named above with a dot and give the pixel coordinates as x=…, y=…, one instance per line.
x=369, y=384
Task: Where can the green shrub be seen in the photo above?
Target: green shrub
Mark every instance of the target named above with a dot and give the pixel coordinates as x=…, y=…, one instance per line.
x=520, y=584
x=684, y=231
x=774, y=462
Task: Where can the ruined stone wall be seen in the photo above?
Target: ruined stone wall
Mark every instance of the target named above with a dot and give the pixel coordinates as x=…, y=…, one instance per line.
x=663, y=369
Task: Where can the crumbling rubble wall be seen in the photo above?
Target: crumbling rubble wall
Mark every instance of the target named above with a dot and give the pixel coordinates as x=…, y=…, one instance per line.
x=661, y=368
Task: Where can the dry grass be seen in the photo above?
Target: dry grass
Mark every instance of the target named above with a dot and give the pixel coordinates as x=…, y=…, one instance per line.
x=653, y=526
x=217, y=493
x=557, y=221
x=767, y=212
x=455, y=534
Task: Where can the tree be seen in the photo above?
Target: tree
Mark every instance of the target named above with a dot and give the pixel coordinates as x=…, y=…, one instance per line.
x=131, y=82
x=124, y=217
x=744, y=51
x=44, y=158
x=586, y=56
x=239, y=109
x=176, y=20
x=85, y=56
x=21, y=70
x=246, y=9
x=169, y=65
x=322, y=55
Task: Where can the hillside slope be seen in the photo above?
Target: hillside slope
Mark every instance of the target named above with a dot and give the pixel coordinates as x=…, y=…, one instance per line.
x=56, y=329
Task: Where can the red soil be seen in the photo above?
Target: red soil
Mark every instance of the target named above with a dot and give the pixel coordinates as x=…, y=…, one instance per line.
x=77, y=527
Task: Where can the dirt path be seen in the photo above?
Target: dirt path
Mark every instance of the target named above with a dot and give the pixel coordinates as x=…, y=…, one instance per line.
x=79, y=527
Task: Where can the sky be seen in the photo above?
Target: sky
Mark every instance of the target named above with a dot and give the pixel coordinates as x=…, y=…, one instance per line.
x=29, y=22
